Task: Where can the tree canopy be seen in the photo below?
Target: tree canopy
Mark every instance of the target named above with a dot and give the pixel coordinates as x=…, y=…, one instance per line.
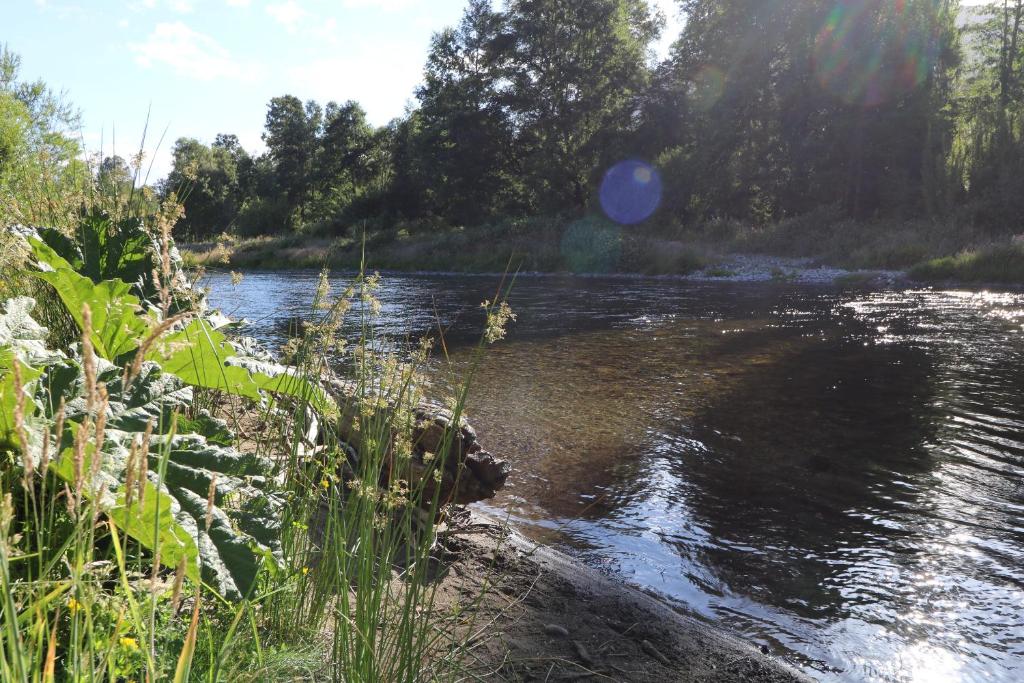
x=761, y=111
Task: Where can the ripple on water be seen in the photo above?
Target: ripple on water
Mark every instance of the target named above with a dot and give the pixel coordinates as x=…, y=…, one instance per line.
x=837, y=475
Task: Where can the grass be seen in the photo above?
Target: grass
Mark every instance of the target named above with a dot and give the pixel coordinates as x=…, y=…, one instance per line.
x=348, y=596
x=531, y=245
x=592, y=245
x=1002, y=264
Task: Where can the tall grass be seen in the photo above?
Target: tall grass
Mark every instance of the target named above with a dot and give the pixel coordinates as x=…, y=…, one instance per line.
x=351, y=596
x=362, y=527
x=84, y=603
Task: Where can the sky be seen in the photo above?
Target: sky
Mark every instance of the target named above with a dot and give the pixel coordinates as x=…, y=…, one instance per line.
x=202, y=67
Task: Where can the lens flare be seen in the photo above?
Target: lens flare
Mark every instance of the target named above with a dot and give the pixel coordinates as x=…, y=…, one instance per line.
x=630, y=192
x=869, y=52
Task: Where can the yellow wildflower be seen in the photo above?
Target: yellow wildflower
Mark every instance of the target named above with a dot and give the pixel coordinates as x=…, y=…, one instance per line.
x=129, y=643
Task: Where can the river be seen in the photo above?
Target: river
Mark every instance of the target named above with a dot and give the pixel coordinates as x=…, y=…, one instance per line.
x=835, y=474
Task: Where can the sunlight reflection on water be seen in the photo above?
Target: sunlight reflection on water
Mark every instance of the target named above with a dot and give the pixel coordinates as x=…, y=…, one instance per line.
x=836, y=474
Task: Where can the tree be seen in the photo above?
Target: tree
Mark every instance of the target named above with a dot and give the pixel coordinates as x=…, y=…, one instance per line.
x=344, y=163
x=206, y=181
x=813, y=103
x=465, y=133
x=990, y=146
x=114, y=176
x=522, y=109
x=42, y=177
x=572, y=79
x=291, y=136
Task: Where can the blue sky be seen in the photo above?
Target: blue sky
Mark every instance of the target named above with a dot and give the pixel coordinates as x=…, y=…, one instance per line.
x=210, y=66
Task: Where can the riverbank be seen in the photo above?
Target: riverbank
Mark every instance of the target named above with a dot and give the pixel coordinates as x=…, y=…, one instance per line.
x=544, y=617
x=800, y=250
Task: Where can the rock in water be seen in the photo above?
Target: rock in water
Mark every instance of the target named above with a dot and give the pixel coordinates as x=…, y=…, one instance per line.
x=468, y=473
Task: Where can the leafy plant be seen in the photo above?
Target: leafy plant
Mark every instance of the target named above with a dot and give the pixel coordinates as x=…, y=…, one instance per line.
x=188, y=480
x=104, y=249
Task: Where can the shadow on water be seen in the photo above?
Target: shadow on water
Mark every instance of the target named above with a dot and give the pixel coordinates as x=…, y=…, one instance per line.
x=838, y=475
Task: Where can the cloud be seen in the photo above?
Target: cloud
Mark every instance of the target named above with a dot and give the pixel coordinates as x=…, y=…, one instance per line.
x=190, y=53
x=239, y=3
x=288, y=14
x=179, y=6
x=63, y=11
x=384, y=5
x=359, y=77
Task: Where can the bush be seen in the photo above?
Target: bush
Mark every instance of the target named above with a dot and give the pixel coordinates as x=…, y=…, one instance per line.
x=262, y=216
x=1003, y=264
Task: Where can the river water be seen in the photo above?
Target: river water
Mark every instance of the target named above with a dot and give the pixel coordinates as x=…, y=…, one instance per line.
x=835, y=474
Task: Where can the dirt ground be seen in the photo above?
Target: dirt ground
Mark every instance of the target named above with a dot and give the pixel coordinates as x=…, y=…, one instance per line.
x=544, y=617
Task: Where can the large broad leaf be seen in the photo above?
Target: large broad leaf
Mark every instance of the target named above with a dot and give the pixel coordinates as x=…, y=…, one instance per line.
x=20, y=331
x=198, y=353
x=9, y=395
x=242, y=534
x=202, y=356
x=117, y=327
x=245, y=525
x=108, y=250
x=154, y=522
x=21, y=342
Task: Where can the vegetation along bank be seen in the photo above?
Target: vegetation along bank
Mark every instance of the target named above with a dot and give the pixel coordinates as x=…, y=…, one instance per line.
x=864, y=135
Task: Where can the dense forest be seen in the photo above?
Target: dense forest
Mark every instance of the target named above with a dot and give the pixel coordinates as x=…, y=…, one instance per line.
x=849, y=110
x=762, y=111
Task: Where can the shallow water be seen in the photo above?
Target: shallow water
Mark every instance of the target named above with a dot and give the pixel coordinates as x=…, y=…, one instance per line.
x=838, y=475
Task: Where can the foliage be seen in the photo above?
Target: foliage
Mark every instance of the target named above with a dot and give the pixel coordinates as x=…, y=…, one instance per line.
x=762, y=113
x=42, y=179
x=992, y=265
x=127, y=497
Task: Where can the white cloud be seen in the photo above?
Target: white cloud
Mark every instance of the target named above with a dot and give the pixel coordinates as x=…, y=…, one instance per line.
x=239, y=3
x=288, y=14
x=359, y=77
x=63, y=11
x=190, y=53
x=179, y=6
x=385, y=5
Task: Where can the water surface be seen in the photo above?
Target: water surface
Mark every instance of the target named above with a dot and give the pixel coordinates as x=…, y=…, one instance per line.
x=838, y=475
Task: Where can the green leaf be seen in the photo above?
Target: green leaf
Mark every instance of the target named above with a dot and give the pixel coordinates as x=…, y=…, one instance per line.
x=21, y=342
x=108, y=250
x=214, y=429
x=232, y=550
x=117, y=327
x=172, y=517
x=154, y=523
x=202, y=356
x=9, y=396
x=21, y=332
